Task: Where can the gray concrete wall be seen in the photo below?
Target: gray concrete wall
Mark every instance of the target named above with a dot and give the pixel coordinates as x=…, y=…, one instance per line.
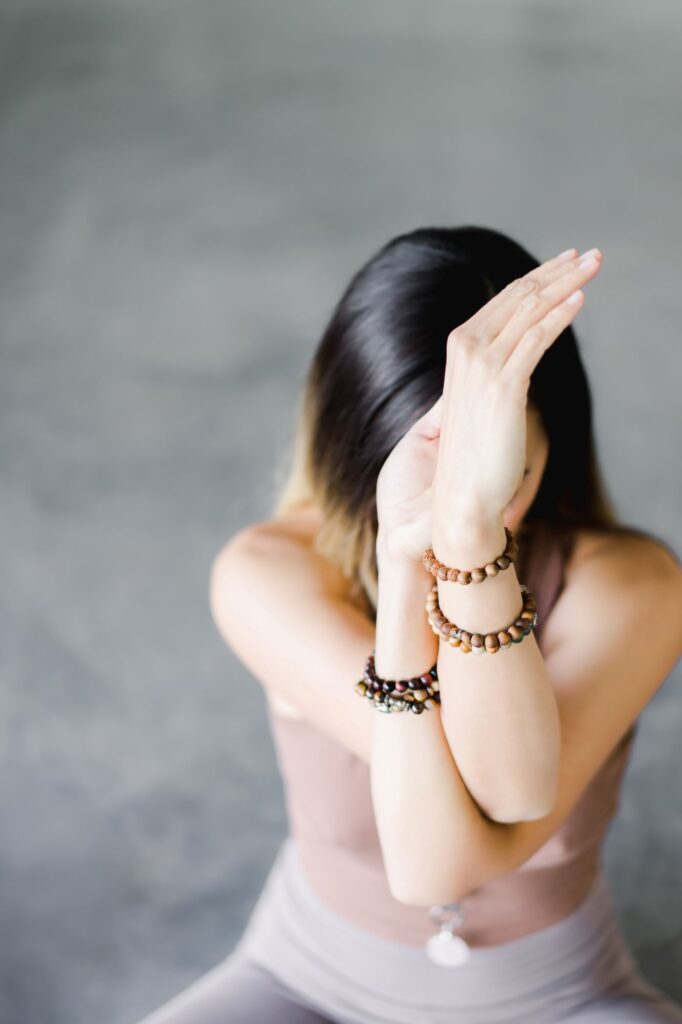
x=185, y=189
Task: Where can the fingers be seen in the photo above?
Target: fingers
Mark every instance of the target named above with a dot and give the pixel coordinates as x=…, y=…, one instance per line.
x=489, y=320
x=527, y=352
x=533, y=308
x=575, y=276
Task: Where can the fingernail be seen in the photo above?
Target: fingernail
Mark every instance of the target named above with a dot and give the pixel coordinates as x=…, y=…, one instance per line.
x=574, y=298
x=588, y=257
x=566, y=252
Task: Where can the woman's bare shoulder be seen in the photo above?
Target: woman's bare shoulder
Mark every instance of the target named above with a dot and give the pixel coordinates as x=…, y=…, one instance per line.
x=625, y=551
x=286, y=544
x=628, y=566
x=288, y=541
x=299, y=526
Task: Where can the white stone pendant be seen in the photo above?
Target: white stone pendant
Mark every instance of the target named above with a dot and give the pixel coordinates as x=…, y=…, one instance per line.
x=447, y=949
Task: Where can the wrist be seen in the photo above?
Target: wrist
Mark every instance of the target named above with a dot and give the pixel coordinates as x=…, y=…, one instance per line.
x=405, y=644
x=468, y=540
x=389, y=558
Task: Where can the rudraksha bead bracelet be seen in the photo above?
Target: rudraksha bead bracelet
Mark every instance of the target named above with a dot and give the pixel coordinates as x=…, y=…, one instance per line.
x=464, y=576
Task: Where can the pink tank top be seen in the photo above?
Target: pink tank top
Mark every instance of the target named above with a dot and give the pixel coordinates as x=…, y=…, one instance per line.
x=331, y=819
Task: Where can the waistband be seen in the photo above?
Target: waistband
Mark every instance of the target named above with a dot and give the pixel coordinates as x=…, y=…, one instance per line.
x=315, y=949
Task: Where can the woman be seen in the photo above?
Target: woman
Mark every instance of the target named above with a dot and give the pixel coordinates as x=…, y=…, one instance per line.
x=446, y=812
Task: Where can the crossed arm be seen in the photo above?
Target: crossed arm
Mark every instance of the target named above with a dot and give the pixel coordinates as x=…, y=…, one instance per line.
x=449, y=796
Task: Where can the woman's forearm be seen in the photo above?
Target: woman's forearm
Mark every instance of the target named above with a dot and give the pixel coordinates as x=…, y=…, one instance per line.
x=424, y=812
x=498, y=710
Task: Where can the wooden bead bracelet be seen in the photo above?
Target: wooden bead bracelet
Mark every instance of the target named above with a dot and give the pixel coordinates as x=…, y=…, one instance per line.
x=482, y=643
x=444, y=572
x=387, y=695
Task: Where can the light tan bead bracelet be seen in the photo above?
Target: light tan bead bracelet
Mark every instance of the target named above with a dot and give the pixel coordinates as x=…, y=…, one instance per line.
x=482, y=643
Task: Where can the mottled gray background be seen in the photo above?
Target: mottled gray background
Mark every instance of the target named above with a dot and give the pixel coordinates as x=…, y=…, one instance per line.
x=185, y=190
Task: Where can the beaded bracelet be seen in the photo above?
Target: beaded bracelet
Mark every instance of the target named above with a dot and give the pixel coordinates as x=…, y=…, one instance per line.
x=480, y=643
x=444, y=572
x=387, y=695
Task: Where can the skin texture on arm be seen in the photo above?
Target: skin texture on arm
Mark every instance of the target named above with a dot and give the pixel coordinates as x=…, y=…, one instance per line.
x=282, y=610
x=499, y=710
x=514, y=776
x=421, y=804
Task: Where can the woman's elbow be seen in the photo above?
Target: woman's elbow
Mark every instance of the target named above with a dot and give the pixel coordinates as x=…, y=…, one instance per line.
x=512, y=815
x=535, y=805
x=418, y=888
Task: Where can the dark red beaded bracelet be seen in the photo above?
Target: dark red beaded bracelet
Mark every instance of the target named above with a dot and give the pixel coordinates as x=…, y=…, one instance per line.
x=387, y=695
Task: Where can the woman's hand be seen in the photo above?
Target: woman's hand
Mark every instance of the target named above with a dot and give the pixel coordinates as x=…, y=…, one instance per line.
x=403, y=489
x=490, y=360
x=485, y=394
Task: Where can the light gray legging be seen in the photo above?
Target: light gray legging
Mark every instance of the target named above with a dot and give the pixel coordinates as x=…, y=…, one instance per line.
x=242, y=991
x=237, y=991
x=298, y=962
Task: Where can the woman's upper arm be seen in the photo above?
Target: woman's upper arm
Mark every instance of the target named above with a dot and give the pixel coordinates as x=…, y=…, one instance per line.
x=280, y=607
